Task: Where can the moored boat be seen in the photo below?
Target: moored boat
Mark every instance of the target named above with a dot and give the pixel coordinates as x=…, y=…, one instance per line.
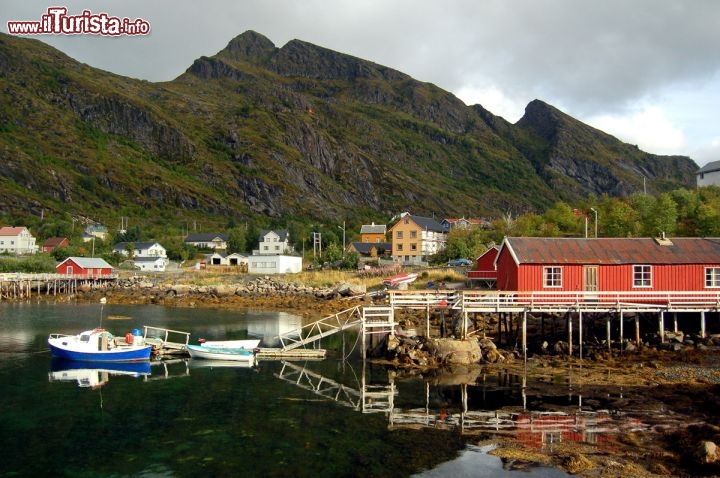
x=231, y=344
x=396, y=280
x=221, y=353
x=97, y=345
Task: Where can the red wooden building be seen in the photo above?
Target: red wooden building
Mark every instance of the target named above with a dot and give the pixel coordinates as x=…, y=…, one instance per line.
x=85, y=266
x=608, y=264
x=485, y=272
x=54, y=243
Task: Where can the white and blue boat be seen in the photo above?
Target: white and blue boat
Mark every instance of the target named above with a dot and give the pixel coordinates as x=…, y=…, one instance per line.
x=97, y=345
x=206, y=352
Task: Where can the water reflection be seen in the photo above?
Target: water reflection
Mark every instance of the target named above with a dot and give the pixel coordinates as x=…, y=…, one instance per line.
x=94, y=374
x=330, y=417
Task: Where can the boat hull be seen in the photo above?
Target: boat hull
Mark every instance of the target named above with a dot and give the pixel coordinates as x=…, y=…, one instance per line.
x=231, y=344
x=219, y=353
x=120, y=355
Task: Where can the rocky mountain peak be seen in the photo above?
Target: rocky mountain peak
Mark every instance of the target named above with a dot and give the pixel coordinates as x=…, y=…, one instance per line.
x=248, y=46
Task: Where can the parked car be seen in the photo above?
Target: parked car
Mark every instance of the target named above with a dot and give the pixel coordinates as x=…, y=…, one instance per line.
x=459, y=262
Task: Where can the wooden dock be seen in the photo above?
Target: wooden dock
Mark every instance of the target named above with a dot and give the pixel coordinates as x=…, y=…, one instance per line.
x=293, y=354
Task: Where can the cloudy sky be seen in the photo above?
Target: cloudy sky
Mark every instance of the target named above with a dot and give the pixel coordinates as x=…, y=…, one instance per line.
x=646, y=71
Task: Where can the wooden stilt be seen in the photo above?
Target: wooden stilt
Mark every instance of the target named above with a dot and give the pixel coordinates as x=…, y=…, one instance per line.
x=524, y=337
x=570, y=334
x=580, y=332
x=662, y=326
x=702, y=324
x=637, y=330
x=609, y=344
x=622, y=332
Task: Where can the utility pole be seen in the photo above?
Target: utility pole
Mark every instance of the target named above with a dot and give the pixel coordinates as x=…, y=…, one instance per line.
x=343, y=230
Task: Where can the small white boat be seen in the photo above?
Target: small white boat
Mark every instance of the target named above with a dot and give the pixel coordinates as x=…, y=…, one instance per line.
x=221, y=353
x=395, y=281
x=97, y=345
x=230, y=344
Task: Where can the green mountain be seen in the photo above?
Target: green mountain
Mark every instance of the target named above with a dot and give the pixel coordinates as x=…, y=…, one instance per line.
x=299, y=131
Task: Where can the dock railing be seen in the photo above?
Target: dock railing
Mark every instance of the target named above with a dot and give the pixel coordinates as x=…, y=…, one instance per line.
x=516, y=301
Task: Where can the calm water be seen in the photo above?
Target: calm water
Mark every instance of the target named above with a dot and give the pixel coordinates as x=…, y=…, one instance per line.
x=183, y=418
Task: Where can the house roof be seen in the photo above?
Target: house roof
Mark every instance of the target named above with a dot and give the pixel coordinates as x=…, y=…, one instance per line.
x=425, y=223
x=373, y=228
x=11, y=231
x=709, y=167
x=613, y=251
x=121, y=246
x=366, y=247
x=54, y=241
x=281, y=233
x=88, y=262
x=149, y=259
x=206, y=237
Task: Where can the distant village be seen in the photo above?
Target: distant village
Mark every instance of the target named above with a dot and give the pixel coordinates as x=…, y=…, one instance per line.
x=411, y=240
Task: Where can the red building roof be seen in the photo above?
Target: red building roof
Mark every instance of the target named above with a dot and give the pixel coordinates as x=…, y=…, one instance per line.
x=550, y=250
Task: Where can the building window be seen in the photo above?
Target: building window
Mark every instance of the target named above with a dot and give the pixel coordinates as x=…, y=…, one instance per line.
x=413, y=247
x=642, y=276
x=413, y=234
x=399, y=247
x=552, y=276
x=712, y=277
x=399, y=235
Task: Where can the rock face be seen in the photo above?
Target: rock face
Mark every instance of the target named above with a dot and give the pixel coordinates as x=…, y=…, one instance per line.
x=299, y=130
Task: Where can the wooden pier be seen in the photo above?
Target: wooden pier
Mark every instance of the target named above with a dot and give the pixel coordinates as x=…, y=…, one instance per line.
x=18, y=286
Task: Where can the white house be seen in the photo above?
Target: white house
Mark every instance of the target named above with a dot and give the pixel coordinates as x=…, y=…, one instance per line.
x=147, y=256
x=140, y=249
x=151, y=264
x=274, y=243
x=277, y=264
x=207, y=240
x=17, y=240
x=709, y=174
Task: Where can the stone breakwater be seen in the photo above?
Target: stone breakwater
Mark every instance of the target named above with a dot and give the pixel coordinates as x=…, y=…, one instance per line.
x=260, y=292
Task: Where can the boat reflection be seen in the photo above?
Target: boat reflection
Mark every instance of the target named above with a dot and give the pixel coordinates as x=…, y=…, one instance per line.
x=94, y=374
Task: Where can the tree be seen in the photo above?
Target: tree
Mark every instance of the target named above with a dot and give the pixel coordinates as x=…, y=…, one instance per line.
x=237, y=240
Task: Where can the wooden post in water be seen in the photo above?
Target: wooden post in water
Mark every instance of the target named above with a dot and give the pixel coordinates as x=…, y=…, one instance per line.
x=675, y=323
x=570, y=332
x=702, y=324
x=524, y=336
x=662, y=326
x=608, y=334
x=580, y=332
x=427, y=321
x=622, y=330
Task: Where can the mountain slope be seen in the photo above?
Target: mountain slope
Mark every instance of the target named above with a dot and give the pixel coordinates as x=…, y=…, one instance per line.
x=299, y=131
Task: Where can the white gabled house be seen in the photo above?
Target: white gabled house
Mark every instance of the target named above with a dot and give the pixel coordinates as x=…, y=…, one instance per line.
x=207, y=240
x=273, y=243
x=140, y=249
x=709, y=174
x=151, y=264
x=147, y=256
x=17, y=240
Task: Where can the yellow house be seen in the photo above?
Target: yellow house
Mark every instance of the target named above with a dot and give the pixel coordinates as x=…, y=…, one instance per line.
x=415, y=238
x=373, y=233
